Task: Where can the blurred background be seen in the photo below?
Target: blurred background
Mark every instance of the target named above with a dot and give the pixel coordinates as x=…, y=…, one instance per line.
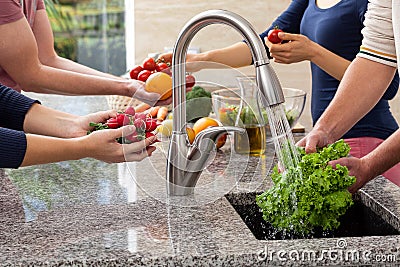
x=114, y=35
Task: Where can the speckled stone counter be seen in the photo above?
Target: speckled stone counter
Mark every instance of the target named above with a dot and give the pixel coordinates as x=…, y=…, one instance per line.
x=89, y=213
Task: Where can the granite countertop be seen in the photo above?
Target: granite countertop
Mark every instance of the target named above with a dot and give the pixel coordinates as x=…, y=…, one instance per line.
x=89, y=213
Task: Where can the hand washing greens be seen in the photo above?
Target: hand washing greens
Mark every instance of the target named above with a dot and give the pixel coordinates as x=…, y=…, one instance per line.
x=311, y=195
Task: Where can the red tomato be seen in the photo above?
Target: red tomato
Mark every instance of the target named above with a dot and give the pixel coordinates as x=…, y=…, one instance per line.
x=135, y=72
x=190, y=81
x=143, y=75
x=149, y=64
x=273, y=36
x=161, y=66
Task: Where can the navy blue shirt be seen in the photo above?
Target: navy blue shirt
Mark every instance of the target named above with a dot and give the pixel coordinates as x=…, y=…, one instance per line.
x=13, y=108
x=338, y=29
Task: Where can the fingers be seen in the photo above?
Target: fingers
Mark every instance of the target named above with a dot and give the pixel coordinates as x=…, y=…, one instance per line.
x=165, y=102
x=139, y=156
x=105, y=115
x=139, y=150
x=311, y=145
x=167, y=58
x=138, y=146
x=288, y=36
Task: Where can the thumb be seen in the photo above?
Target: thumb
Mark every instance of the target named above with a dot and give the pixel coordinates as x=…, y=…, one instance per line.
x=123, y=131
x=287, y=36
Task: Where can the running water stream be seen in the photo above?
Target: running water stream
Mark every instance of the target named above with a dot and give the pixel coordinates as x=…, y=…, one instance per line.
x=282, y=137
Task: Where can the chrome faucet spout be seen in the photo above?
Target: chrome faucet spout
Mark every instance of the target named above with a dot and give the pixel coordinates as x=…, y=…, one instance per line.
x=182, y=172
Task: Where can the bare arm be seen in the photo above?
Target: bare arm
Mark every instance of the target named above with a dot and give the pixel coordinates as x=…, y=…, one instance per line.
x=301, y=48
x=46, y=121
x=363, y=84
x=19, y=48
x=99, y=145
x=48, y=56
x=236, y=55
x=365, y=169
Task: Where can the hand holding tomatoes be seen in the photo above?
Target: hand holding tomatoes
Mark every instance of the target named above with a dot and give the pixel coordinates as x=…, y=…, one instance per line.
x=273, y=35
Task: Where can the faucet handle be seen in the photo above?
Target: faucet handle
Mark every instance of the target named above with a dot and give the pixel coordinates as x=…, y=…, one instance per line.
x=204, y=146
x=213, y=133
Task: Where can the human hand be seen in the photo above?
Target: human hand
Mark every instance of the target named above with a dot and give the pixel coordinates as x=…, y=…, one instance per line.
x=315, y=138
x=294, y=48
x=358, y=168
x=80, y=125
x=137, y=90
x=192, y=64
x=102, y=145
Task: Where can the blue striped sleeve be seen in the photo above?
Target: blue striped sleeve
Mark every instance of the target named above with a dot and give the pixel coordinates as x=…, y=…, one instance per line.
x=13, y=108
x=12, y=148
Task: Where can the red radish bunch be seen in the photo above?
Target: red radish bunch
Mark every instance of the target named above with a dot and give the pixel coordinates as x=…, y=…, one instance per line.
x=150, y=66
x=144, y=125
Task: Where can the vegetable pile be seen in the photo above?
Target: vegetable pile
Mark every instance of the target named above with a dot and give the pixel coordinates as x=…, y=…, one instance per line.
x=310, y=196
x=150, y=66
x=143, y=122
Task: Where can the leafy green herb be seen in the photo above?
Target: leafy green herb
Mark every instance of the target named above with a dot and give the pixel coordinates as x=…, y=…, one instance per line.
x=310, y=195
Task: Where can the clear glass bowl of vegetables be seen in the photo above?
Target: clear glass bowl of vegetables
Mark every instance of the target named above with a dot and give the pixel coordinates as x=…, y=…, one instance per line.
x=226, y=103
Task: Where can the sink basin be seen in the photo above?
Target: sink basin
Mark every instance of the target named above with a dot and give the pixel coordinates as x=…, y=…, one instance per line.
x=359, y=220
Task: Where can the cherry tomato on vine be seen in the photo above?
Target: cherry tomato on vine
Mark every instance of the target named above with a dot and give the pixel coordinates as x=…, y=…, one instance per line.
x=273, y=36
x=143, y=75
x=190, y=80
x=135, y=72
x=161, y=66
x=149, y=64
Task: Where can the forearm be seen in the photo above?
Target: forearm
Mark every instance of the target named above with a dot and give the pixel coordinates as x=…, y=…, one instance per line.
x=71, y=83
x=46, y=121
x=385, y=156
x=237, y=55
x=357, y=94
x=66, y=64
x=44, y=149
x=331, y=63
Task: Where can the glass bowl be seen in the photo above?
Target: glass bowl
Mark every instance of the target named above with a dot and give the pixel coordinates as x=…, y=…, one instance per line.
x=225, y=101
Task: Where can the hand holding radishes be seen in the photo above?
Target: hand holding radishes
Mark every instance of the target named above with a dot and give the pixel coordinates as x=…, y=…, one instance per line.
x=142, y=123
x=102, y=145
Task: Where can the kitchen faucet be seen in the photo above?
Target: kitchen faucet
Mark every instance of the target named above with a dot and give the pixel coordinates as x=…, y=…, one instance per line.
x=185, y=161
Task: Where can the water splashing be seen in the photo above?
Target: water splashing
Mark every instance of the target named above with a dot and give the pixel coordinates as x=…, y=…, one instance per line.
x=282, y=137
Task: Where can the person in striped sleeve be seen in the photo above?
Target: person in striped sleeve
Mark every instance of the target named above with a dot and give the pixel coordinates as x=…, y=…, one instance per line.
x=363, y=84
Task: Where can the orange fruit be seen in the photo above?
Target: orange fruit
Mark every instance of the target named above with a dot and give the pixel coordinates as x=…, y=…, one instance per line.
x=190, y=133
x=206, y=122
x=161, y=83
x=221, y=141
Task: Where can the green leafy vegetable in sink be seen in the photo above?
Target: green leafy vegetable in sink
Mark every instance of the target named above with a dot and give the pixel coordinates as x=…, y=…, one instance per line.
x=311, y=195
